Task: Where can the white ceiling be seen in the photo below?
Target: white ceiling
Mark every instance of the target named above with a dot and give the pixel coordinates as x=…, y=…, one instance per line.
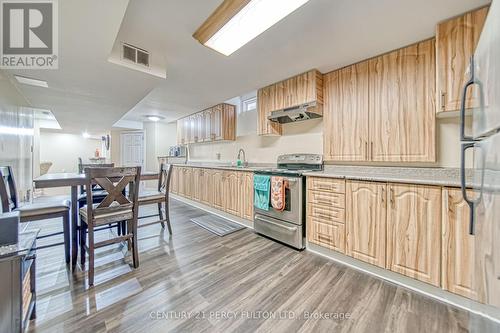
x=90, y=93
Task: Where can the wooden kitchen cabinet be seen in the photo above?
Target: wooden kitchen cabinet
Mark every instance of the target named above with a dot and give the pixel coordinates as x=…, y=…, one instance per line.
x=206, y=186
x=217, y=123
x=346, y=114
x=218, y=189
x=185, y=182
x=231, y=192
x=300, y=89
x=414, y=231
x=456, y=40
x=325, y=212
x=174, y=181
x=402, y=105
x=196, y=184
x=366, y=216
x=246, y=195
x=457, y=245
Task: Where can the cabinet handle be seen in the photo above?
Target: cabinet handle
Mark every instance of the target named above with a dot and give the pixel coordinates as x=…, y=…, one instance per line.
x=383, y=195
x=371, y=150
x=366, y=150
x=443, y=101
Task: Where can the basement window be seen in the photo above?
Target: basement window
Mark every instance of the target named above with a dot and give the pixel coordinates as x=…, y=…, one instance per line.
x=249, y=105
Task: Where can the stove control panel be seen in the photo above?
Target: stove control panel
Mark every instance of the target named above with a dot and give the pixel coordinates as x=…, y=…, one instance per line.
x=314, y=159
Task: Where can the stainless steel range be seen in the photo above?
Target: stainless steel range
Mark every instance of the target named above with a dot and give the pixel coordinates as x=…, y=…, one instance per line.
x=288, y=226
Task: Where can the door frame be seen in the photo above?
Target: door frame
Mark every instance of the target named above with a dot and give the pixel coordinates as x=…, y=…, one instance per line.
x=143, y=166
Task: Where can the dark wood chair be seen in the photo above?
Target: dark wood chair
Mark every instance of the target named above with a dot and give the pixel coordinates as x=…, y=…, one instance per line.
x=114, y=208
x=159, y=197
x=37, y=211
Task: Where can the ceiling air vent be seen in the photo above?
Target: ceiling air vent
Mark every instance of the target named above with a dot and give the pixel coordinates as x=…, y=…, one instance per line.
x=135, y=54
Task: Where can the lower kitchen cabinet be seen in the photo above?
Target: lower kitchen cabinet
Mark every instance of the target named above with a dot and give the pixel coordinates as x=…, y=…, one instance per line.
x=218, y=189
x=366, y=216
x=185, y=182
x=231, y=192
x=196, y=184
x=326, y=213
x=174, y=180
x=414, y=231
x=246, y=195
x=206, y=182
x=458, y=245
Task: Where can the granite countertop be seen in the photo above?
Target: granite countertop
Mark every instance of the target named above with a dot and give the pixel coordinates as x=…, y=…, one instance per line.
x=425, y=176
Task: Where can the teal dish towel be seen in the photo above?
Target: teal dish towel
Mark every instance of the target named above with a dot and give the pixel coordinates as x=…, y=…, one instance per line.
x=262, y=191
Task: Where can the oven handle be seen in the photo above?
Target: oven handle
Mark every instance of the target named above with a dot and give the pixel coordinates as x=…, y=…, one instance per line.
x=269, y=220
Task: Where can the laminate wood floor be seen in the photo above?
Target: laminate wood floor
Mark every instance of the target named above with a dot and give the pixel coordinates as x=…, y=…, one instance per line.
x=196, y=281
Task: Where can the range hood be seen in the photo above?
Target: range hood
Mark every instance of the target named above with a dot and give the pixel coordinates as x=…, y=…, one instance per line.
x=296, y=113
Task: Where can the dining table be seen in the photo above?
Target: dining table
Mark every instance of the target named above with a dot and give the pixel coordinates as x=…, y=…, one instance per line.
x=74, y=180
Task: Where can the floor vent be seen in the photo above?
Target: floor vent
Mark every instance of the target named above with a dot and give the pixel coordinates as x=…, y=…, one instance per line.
x=135, y=54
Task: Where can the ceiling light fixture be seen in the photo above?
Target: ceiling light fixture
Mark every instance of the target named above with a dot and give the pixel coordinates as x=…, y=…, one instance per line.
x=31, y=82
x=154, y=118
x=236, y=22
x=86, y=135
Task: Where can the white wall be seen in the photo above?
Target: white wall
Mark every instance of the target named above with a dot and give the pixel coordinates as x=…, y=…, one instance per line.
x=63, y=150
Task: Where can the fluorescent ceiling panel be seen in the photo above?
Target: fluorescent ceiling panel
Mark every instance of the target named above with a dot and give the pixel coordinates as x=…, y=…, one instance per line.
x=255, y=18
x=31, y=81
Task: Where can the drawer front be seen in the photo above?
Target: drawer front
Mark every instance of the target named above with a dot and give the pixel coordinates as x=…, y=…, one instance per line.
x=326, y=184
x=328, y=215
x=331, y=236
x=336, y=200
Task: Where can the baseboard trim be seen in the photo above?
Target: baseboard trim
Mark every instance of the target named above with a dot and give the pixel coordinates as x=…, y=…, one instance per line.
x=236, y=219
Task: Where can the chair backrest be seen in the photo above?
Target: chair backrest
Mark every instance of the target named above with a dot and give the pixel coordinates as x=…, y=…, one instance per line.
x=164, y=177
x=83, y=166
x=8, y=190
x=114, y=181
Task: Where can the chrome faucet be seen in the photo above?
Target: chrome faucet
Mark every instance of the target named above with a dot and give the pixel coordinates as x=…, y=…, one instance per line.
x=245, y=163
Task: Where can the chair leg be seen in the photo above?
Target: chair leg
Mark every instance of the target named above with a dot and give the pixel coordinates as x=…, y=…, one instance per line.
x=83, y=240
x=167, y=217
x=119, y=228
x=91, y=255
x=160, y=214
x=135, y=250
x=65, y=221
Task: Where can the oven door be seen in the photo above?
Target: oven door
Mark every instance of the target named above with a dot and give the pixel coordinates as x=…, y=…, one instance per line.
x=282, y=231
x=294, y=209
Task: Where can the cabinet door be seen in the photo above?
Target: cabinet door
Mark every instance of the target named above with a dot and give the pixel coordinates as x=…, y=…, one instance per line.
x=366, y=215
x=402, y=107
x=265, y=103
x=346, y=114
x=208, y=125
x=458, y=245
x=216, y=122
x=188, y=182
x=206, y=186
x=181, y=181
x=246, y=195
x=174, y=181
x=414, y=231
x=218, y=189
x=180, y=132
x=196, y=184
x=231, y=192
x=456, y=41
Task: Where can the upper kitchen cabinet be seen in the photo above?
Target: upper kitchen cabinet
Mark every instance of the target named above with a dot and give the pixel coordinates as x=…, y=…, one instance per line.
x=346, y=114
x=402, y=105
x=306, y=88
x=214, y=124
x=456, y=41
